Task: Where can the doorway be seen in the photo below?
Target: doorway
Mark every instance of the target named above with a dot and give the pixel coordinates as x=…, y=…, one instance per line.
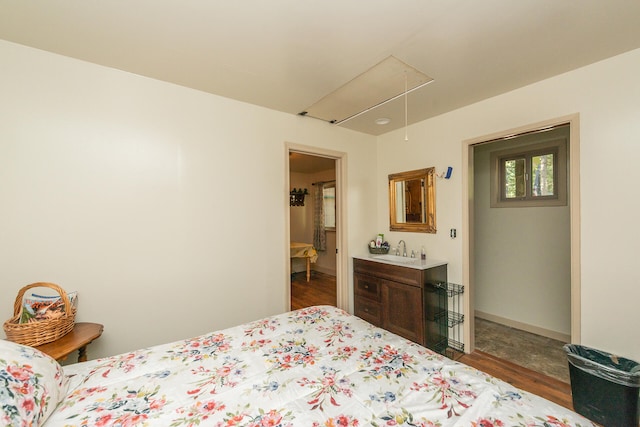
x=473, y=273
x=318, y=278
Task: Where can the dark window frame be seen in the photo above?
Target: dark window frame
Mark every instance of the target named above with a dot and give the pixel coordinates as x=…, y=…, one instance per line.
x=557, y=147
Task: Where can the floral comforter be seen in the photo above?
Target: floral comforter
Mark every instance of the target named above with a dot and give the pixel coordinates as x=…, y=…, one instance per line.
x=313, y=367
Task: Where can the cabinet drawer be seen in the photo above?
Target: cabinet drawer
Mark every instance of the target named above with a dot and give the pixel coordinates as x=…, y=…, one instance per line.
x=367, y=286
x=410, y=276
x=368, y=310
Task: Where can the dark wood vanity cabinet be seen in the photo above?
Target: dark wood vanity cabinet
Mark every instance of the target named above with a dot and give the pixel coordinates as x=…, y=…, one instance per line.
x=402, y=300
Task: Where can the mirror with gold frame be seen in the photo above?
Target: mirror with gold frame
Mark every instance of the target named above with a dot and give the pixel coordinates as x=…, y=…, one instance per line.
x=412, y=201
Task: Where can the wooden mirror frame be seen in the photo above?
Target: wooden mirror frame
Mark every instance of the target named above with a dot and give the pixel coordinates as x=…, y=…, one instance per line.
x=428, y=195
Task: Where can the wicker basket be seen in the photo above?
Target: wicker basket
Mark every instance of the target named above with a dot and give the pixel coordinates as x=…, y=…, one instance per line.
x=43, y=331
x=378, y=250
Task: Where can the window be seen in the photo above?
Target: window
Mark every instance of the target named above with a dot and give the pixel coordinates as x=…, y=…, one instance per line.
x=533, y=175
x=329, y=200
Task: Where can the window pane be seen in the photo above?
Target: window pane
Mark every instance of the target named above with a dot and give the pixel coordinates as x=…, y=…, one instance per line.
x=542, y=175
x=529, y=175
x=514, y=182
x=329, y=197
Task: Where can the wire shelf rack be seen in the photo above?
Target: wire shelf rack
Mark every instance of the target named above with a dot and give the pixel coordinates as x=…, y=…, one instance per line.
x=449, y=315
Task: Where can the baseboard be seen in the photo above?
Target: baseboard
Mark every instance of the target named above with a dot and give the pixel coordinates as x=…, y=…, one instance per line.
x=524, y=326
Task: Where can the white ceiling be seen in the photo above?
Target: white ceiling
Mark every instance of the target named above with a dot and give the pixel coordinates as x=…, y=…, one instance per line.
x=288, y=54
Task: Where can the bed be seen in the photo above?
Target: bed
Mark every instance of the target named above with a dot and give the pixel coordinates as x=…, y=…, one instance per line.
x=318, y=366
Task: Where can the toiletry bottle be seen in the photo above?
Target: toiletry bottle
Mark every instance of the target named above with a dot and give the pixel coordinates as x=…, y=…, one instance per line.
x=423, y=254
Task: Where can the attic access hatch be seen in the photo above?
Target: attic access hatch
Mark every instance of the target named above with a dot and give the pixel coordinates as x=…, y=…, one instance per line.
x=384, y=82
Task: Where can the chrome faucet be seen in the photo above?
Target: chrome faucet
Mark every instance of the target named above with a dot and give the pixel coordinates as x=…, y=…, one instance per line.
x=404, y=248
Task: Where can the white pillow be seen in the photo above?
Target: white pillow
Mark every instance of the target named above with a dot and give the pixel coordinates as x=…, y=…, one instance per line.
x=31, y=385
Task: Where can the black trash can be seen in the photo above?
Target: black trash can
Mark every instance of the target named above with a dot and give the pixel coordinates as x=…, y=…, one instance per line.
x=604, y=386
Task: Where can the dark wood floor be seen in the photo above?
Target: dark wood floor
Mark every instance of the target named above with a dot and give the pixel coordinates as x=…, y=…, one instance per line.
x=520, y=377
x=321, y=290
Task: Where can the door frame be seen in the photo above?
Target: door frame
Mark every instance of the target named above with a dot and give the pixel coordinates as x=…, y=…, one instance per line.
x=468, y=267
x=342, y=279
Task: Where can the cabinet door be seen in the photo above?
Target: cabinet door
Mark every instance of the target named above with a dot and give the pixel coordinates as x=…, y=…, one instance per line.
x=402, y=312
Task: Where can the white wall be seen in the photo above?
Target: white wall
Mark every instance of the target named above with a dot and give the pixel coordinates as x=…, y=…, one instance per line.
x=606, y=95
x=300, y=216
x=164, y=207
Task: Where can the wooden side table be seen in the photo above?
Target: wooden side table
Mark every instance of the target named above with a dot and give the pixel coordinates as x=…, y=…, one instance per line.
x=78, y=339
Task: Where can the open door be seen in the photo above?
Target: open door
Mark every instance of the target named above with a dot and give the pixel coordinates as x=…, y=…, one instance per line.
x=315, y=228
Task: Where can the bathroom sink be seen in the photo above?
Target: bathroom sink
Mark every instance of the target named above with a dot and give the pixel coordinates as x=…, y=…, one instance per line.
x=396, y=259
x=403, y=261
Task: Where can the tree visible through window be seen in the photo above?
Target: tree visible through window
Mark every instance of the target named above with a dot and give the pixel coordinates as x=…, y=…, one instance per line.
x=531, y=176
x=543, y=175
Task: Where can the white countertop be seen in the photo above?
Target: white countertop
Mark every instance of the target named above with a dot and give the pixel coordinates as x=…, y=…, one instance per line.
x=400, y=261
